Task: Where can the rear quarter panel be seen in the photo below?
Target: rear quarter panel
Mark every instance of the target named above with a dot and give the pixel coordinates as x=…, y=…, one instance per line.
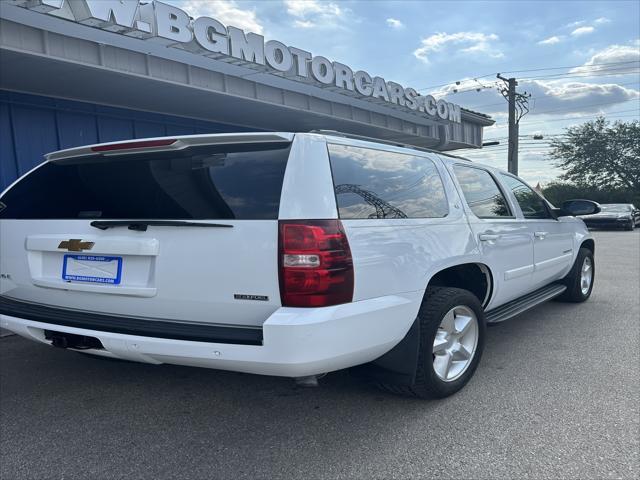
x=394, y=256
x=307, y=189
x=391, y=256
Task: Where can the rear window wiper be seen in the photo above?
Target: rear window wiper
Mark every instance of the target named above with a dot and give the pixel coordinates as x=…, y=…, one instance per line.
x=141, y=225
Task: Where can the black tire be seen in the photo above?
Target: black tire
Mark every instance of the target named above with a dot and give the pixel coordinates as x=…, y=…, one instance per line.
x=436, y=303
x=629, y=227
x=573, y=293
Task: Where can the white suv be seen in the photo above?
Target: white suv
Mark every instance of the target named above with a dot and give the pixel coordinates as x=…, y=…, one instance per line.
x=282, y=254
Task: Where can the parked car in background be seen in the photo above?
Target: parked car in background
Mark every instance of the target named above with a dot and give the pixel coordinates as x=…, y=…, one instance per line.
x=283, y=254
x=614, y=215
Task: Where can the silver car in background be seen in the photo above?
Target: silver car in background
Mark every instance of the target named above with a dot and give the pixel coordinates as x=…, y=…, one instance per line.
x=614, y=215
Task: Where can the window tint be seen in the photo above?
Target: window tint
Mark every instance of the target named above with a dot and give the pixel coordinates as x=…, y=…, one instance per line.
x=377, y=184
x=481, y=192
x=221, y=182
x=531, y=204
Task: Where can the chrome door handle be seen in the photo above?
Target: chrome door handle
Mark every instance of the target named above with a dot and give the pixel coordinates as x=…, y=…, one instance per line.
x=541, y=235
x=488, y=237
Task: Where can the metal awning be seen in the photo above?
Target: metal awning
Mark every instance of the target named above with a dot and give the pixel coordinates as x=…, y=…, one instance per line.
x=52, y=56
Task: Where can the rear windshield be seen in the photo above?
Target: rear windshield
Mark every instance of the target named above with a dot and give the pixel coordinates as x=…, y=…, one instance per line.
x=213, y=182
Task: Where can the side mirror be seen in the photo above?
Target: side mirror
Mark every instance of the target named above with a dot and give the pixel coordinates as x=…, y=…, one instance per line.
x=579, y=207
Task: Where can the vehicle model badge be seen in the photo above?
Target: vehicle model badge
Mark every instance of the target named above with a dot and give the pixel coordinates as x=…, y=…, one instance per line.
x=262, y=298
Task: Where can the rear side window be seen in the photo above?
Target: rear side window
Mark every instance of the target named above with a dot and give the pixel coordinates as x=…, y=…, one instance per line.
x=377, y=184
x=481, y=192
x=213, y=182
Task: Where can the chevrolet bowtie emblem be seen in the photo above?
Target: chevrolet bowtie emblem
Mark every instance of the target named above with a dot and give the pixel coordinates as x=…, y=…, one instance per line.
x=76, y=245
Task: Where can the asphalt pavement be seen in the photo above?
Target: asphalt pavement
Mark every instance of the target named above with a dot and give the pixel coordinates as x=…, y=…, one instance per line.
x=557, y=395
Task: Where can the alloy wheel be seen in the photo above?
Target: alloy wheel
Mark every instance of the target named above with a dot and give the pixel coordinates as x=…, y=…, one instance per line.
x=586, y=275
x=455, y=343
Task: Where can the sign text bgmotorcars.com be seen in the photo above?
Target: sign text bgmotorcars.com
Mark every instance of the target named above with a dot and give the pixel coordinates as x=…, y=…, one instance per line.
x=157, y=21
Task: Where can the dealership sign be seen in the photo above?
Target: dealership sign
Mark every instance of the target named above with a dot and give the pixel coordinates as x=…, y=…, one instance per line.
x=160, y=22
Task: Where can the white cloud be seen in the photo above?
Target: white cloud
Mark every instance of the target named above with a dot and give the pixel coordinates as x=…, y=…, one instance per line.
x=575, y=24
x=582, y=31
x=474, y=42
x=612, y=54
x=601, y=20
x=556, y=98
x=304, y=24
x=579, y=97
x=395, y=23
x=313, y=13
x=226, y=11
x=551, y=40
x=304, y=8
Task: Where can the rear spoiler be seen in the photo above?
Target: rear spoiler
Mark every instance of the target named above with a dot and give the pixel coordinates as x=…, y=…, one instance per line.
x=166, y=143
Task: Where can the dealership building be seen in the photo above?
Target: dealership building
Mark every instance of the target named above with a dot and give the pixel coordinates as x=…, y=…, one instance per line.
x=76, y=72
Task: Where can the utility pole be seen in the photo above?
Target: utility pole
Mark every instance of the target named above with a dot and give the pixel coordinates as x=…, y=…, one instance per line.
x=512, y=161
x=518, y=108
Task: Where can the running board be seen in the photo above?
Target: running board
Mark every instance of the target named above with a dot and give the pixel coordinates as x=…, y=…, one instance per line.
x=519, y=305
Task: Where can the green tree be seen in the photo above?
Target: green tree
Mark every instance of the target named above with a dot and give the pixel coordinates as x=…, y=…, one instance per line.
x=598, y=154
x=559, y=192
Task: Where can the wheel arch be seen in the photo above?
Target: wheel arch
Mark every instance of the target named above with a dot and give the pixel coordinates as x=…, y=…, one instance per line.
x=476, y=277
x=589, y=244
x=398, y=366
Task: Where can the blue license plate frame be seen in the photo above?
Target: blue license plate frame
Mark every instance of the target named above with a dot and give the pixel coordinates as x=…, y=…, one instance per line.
x=92, y=279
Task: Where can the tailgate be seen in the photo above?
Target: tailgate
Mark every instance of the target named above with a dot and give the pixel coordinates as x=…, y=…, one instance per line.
x=188, y=235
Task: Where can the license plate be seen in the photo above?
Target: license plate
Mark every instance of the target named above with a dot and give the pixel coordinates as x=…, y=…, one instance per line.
x=92, y=268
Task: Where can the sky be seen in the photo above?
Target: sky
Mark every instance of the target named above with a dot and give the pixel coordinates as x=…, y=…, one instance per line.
x=577, y=59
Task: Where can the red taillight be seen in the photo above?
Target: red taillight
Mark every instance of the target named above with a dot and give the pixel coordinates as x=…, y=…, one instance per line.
x=316, y=268
x=130, y=145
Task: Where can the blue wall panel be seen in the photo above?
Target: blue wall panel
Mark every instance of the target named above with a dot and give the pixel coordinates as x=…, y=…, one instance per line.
x=8, y=165
x=149, y=129
x=35, y=134
x=111, y=129
x=32, y=125
x=180, y=130
x=76, y=129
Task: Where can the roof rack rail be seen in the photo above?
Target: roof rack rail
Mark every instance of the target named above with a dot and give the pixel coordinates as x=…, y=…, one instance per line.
x=364, y=138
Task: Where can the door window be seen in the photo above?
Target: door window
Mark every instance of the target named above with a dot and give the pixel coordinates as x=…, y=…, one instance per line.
x=531, y=204
x=481, y=192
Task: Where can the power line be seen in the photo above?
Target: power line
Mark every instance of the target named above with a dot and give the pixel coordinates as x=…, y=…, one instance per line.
x=534, y=112
x=526, y=145
x=587, y=116
x=574, y=90
x=471, y=89
x=527, y=139
x=454, y=82
x=566, y=119
x=571, y=66
x=480, y=153
x=530, y=143
x=525, y=136
x=551, y=97
x=578, y=109
x=529, y=70
x=599, y=73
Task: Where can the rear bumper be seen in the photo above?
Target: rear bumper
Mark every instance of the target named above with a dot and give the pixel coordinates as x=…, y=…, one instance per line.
x=296, y=341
